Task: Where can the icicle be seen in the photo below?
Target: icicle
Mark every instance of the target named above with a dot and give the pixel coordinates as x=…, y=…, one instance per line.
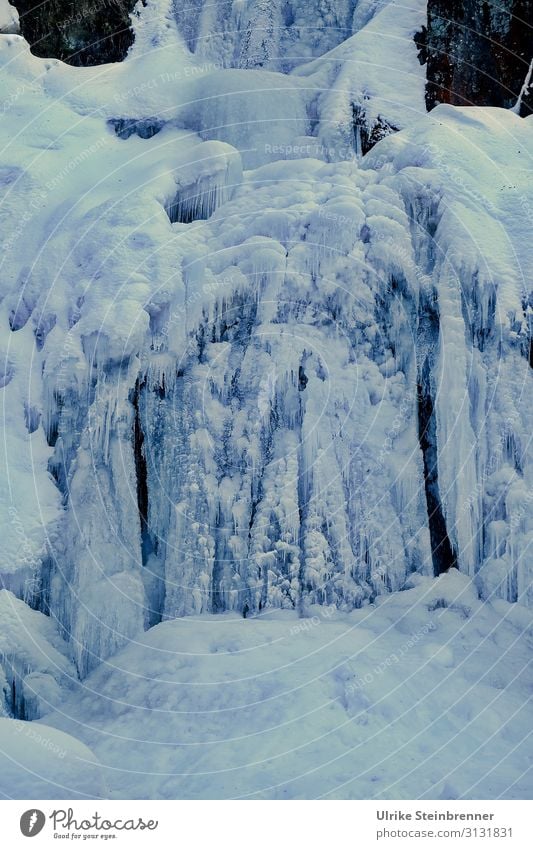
x=523, y=91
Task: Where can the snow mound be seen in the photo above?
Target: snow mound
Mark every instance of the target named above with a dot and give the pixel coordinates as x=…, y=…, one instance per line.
x=423, y=694
x=39, y=762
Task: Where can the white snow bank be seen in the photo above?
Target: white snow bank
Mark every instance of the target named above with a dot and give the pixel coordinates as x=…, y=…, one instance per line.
x=39, y=762
x=424, y=694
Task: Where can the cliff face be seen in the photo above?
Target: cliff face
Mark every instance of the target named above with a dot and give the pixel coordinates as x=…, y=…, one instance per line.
x=84, y=32
x=478, y=53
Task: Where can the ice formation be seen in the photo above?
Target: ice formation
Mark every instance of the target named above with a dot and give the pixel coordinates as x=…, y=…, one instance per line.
x=34, y=663
x=245, y=367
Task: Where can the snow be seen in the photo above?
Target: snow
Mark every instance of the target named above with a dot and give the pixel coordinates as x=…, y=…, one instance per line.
x=9, y=18
x=39, y=762
x=423, y=695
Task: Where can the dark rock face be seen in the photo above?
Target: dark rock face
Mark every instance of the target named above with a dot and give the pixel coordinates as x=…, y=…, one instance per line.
x=80, y=32
x=478, y=53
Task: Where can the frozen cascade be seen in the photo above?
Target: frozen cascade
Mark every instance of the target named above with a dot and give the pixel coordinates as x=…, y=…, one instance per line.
x=277, y=34
x=232, y=390
x=100, y=602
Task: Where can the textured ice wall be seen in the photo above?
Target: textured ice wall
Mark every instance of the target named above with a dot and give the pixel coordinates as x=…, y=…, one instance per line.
x=331, y=396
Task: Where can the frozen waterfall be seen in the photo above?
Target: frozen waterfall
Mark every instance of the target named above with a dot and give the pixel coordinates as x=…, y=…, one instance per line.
x=246, y=367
